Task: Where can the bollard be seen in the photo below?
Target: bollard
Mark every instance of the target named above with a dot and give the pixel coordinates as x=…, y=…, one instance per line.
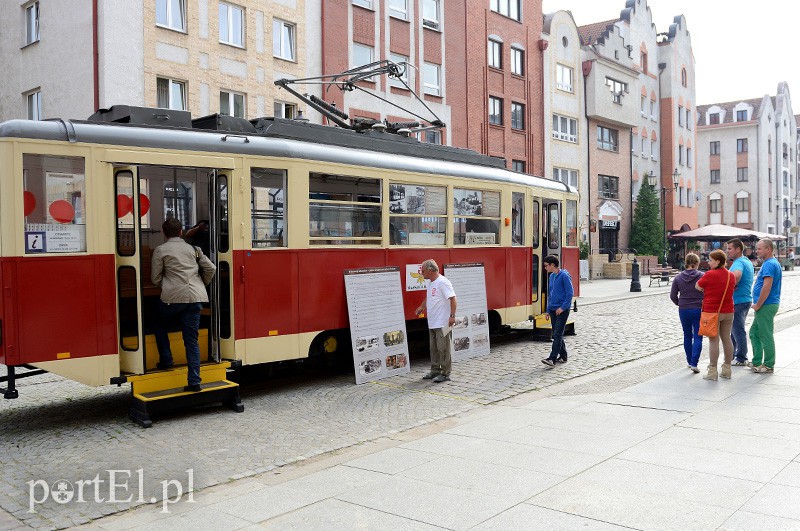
x=635, y=284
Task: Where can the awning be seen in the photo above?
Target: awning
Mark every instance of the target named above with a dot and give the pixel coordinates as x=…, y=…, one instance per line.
x=712, y=233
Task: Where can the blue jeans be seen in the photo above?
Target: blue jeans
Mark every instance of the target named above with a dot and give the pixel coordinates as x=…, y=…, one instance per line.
x=692, y=341
x=558, y=323
x=188, y=314
x=738, y=334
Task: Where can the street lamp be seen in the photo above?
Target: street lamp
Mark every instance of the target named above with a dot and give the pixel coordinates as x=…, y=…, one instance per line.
x=653, y=180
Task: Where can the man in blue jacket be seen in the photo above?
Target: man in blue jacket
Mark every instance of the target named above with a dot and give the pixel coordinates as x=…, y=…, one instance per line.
x=559, y=300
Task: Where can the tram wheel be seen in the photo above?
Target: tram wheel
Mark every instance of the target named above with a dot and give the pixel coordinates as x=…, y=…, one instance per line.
x=333, y=348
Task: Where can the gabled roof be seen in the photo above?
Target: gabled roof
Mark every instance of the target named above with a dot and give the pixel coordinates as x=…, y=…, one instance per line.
x=590, y=33
x=730, y=116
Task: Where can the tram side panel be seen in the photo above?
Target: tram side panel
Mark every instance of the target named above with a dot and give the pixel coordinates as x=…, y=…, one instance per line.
x=63, y=309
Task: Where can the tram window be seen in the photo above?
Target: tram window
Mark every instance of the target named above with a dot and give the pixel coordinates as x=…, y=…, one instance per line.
x=553, y=227
x=222, y=209
x=268, y=206
x=517, y=218
x=54, y=204
x=572, y=223
x=418, y=214
x=480, y=224
x=535, y=217
x=179, y=201
x=128, y=308
x=344, y=210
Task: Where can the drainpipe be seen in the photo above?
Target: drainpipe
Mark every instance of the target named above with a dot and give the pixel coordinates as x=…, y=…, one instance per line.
x=630, y=157
x=95, y=57
x=587, y=68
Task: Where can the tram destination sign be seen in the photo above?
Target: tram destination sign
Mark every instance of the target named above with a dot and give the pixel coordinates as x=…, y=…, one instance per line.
x=377, y=322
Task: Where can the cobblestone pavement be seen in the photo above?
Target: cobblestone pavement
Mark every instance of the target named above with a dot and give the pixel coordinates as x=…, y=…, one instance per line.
x=60, y=430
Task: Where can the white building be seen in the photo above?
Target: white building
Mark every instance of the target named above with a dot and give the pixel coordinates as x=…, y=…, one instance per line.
x=747, y=164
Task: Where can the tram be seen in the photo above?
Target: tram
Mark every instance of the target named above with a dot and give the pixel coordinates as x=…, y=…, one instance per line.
x=290, y=205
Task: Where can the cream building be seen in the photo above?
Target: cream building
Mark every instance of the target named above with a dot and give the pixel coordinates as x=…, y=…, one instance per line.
x=747, y=163
x=566, y=130
x=198, y=55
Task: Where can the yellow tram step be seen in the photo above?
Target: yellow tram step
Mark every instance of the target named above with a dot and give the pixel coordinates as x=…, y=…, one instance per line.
x=178, y=391
x=150, y=382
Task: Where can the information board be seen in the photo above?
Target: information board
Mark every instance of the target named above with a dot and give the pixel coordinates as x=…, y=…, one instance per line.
x=471, y=329
x=377, y=322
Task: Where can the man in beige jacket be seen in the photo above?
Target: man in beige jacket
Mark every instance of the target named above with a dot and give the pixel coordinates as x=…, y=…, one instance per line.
x=182, y=271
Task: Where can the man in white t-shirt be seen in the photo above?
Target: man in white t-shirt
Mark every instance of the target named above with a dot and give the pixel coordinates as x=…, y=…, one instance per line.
x=440, y=306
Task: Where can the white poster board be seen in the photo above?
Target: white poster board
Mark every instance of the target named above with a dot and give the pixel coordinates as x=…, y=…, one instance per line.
x=471, y=330
x=377, y=322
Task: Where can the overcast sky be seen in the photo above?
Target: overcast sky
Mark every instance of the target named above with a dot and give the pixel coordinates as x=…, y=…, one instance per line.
x=742, y=50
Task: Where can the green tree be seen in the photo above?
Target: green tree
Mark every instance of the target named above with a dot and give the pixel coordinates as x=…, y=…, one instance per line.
x=647, y=232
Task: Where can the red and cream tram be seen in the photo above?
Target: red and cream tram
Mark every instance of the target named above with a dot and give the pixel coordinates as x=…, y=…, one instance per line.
x=290, y=205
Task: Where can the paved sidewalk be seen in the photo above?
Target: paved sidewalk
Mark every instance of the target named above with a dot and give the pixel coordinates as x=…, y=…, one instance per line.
x=675, y=452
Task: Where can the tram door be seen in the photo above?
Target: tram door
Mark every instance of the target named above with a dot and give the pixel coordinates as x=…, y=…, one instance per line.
x=551, y=239
x=146, y=196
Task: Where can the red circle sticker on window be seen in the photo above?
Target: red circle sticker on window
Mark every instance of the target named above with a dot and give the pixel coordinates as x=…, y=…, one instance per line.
x=124, y=205
x=144, y=204
x=62, y=211
x=29, y=202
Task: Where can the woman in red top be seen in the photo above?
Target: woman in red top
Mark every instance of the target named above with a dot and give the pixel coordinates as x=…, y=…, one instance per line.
x=717, y=286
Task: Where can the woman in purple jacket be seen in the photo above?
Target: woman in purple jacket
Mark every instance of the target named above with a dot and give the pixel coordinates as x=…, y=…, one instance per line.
x=690, y=303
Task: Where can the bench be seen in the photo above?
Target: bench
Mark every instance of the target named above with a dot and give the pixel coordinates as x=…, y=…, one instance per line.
x=662, y=274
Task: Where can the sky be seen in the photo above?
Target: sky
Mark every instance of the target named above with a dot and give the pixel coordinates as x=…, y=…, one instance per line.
x=741, y=51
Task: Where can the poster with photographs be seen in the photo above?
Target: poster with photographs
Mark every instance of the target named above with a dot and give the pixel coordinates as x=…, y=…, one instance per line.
x=471, y=329
x=417, y=199
x=476, y=203
x=377, y=322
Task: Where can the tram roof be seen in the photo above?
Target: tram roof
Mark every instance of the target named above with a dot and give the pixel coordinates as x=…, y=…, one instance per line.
x=286, y=141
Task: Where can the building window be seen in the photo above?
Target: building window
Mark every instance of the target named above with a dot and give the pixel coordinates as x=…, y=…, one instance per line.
x=231, y=24
x=741, y=145
x=742, y=204
x=609, y=187
x=283, y=40
x=171, y=14
x=399, y=59
x=741, y=175
x=741, y=116
x=430, y=79
x=363, y=3
x=714, y=176
x=431, y=136
x=713, y=118
x=680, y=115
x=653, y=110
x=566, y=176
x=495, y=54
x=617, y=89
x=517, y=61
x=170, y=94
x=769, y=175
x=643, y=61
x=563, y=78
x=689, y=198
x=398, y=9
x=35, y=105
x=607, y=138
x=507, y=8
x=714, y=206
x=684, y=77
x=32, y=23
x=517, y=116
x=714, y=147
x=430, y=14
x=518, y=166
x=495, y=111
x=362, y=55
x=769, y=146
x=689, y=157
x=653, y=149
x=565, y=128
x=644, y=105
x=688, y=119
x=284, y=110
x=680, y=155
x=644, y=147
x=231, y=103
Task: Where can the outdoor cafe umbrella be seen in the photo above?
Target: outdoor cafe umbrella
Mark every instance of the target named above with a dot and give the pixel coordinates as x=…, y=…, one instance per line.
x=714, y=233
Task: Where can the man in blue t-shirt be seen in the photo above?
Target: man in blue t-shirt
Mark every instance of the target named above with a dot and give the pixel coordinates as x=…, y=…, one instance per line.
x=742, y=269
x=559, y=300
x=767, y=297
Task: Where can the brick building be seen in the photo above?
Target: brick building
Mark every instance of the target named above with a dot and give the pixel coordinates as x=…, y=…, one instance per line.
x=747, y=163
x=188, y=54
